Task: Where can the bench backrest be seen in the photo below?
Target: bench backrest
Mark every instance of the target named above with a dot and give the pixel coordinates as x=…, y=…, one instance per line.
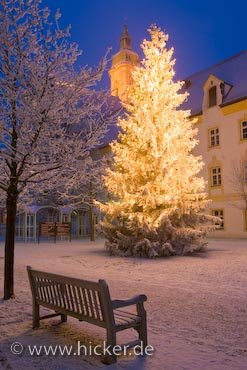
x=86, y=300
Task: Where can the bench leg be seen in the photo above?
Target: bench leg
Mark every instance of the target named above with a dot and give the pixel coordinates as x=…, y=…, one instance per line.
x=64, y=318
x=111, y=341
x=142, y=329
x=35, y=315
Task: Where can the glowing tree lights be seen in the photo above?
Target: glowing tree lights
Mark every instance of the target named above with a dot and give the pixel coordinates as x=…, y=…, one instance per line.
x=157, y=195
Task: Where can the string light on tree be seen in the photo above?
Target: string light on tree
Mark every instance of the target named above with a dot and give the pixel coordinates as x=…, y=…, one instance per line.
x=157, y=195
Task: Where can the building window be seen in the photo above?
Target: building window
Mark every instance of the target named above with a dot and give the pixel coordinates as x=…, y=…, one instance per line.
x=219, y=213
x=30, y=226
x=215, y=176
x=214, y=137
x=244, y=171
x=212, y=96
x=245, y=220
x=243, y=130
x=1, y=217
x=65, y=218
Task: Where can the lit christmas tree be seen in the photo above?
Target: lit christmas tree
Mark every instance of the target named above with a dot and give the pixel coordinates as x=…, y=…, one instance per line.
x=157, y=195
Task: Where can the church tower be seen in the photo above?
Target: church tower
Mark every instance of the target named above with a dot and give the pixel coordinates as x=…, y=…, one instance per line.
x=123, y=64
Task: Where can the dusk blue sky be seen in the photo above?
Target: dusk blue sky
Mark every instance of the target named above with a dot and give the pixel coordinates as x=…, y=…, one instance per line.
x=202, y=32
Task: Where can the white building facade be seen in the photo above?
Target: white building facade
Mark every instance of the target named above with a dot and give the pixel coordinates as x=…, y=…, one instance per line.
x=218, y=99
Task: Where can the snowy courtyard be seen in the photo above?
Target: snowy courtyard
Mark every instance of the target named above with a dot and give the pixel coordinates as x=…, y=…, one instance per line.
x=196, y=308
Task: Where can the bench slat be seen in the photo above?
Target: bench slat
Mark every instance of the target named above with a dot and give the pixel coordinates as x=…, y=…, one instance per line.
x=70, y=298
x=90, y=301
x=62, y=294
x=85, y=301
x=83, y=310
x=96, y=304
x=76, y=300
x=49, y=293
x=41, y=290
x=53, y=295
x=56, y=288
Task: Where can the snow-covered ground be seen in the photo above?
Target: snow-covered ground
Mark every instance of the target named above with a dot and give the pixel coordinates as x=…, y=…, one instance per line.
x=197, y=307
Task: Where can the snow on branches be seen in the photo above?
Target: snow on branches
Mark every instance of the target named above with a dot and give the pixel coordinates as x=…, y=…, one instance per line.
x=50, y=119
x=154, y=182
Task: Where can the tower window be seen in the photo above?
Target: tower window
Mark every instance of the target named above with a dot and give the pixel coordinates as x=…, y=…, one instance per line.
x=215, y=176
x=243, y=130
x=214, y=137
x=212, y=96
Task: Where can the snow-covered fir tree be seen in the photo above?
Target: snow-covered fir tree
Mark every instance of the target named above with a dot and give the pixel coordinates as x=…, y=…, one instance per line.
x=157, y=195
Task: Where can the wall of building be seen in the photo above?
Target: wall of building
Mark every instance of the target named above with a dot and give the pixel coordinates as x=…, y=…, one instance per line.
x=228, y=155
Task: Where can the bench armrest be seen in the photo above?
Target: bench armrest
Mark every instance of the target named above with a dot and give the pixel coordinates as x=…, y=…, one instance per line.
x=117, y=303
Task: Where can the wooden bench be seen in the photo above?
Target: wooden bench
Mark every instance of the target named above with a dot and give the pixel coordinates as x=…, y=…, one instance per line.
x=87, y=301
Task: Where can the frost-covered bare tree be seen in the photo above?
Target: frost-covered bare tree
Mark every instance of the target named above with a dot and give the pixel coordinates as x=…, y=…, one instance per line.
x=48, y=113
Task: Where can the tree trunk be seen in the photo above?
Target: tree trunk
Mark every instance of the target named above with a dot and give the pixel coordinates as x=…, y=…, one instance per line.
x=91, y=222
x=9, y=245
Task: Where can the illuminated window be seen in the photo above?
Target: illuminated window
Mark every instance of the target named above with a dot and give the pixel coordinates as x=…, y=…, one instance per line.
x=65, y=218
x=30, y=225
x=1, y=217
x=214, y=137
x=243, y=130
x=215, y=176
x=219, y=213
x=212, y=96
